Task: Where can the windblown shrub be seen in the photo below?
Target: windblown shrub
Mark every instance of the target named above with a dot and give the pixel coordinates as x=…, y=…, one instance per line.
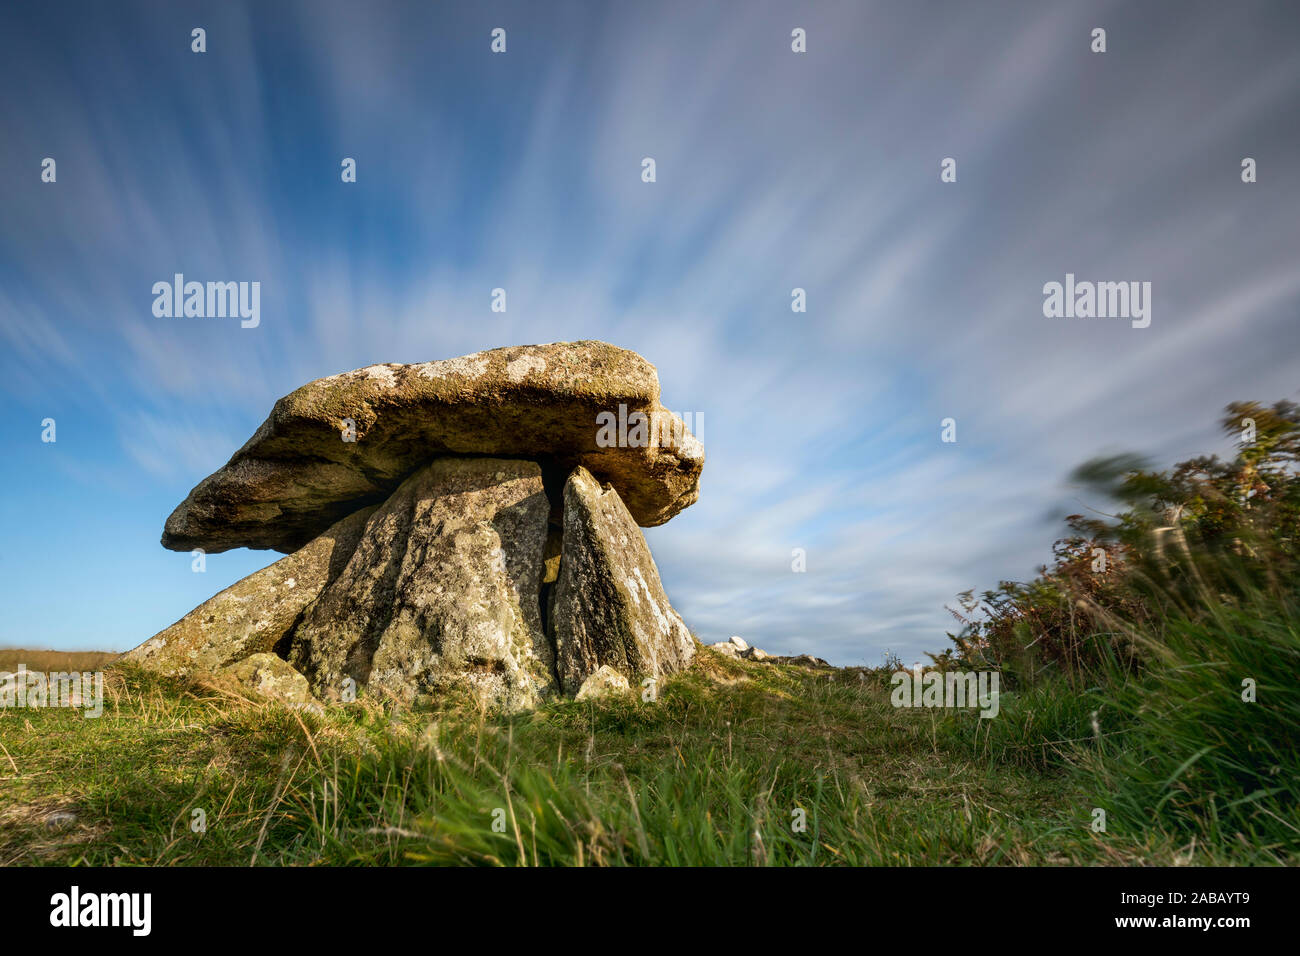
x=1204, y=532
x=1175, y=628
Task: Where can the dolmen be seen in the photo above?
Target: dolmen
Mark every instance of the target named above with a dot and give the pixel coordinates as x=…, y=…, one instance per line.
x=465, y=526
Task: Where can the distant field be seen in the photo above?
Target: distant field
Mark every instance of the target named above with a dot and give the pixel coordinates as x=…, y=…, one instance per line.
x=11, y=657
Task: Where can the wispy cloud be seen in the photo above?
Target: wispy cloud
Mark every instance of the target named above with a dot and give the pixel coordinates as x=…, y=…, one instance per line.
x=775, y=171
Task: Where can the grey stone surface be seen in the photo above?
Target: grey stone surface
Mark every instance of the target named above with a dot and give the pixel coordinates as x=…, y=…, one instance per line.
x=442, y=592
x=605, y=682
x=297, y=474
x=272, y=677
x=255, y=613
x=609, y=606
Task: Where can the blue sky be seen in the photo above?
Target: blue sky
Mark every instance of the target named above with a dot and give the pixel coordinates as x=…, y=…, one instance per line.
x=775, y=170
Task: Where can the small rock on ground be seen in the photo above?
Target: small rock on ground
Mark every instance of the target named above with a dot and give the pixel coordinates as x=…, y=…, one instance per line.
x=604, y=682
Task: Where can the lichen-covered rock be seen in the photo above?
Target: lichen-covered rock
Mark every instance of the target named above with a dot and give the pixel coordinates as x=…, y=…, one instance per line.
x=297, y=474
x=802, y=660
x=734, y=646
x=609, y=605
x=270, y=676
x=255, y=613
x=605, y=682
x=442, y=592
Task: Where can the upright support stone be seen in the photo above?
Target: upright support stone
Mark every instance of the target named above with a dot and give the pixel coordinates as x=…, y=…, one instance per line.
x=442, y=591
x=257, y=612
x=609, y=606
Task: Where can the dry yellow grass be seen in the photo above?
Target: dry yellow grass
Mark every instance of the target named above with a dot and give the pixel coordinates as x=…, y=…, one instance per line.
x=54, y=661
